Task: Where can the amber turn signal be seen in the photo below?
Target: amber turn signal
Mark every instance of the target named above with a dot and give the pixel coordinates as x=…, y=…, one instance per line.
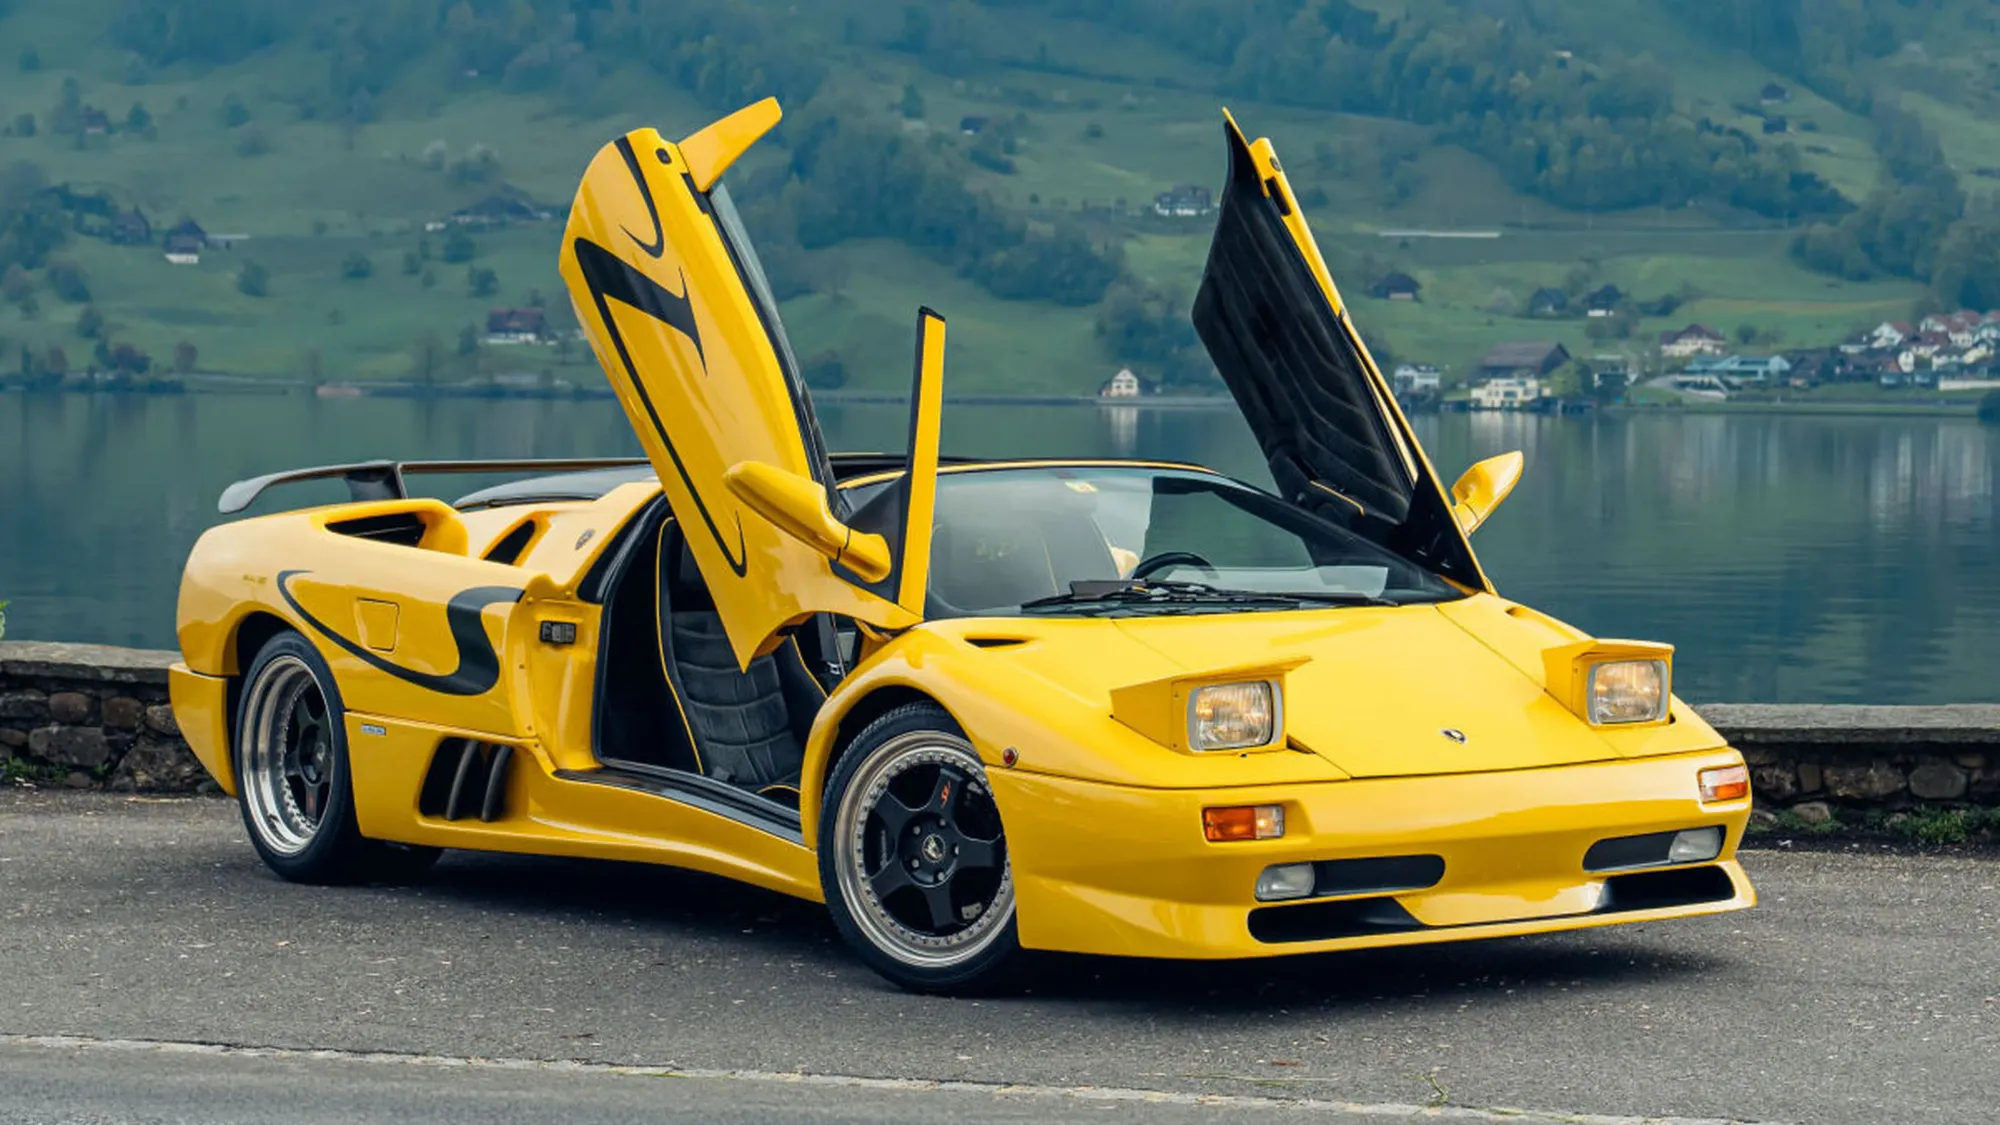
x=1724, y=783
x=1243, y=822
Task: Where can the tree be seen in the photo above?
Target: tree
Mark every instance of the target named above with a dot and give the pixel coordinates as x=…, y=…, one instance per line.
x=16, y=286
x=1989, y=408
x=427, y=357
x=30, y=59
x=185, y=356
x=138, y=120
x=468, y=341
x=234, y=112
x=482, y=281
x=24, y=125
x=253, y=280
x=309, y=368
x=90, y=323
x=412, y=264
x=912, y=104
x=56, y=362
x=68, y=280
x=1746, y=334
x=357, y=267
x=458, y=246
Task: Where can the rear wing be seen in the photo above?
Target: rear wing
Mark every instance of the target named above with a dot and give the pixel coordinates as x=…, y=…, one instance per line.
x=383, y=480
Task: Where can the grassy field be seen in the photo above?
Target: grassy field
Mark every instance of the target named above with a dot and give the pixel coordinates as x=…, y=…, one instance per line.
x=1108, y=118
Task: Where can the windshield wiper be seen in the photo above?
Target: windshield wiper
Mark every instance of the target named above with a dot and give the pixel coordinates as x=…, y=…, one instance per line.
x=1129, y=592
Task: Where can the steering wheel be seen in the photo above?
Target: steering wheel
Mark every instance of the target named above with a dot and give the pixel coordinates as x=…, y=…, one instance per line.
x=1165, y=559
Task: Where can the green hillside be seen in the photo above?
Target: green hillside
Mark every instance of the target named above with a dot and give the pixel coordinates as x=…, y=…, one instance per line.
x=334, y=137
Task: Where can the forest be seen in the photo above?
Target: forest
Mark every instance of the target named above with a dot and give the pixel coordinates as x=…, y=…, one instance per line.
x=1582, y=127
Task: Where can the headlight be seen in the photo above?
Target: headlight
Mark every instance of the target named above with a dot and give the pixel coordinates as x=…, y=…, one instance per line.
x=1232, y=716
x=1627, y=691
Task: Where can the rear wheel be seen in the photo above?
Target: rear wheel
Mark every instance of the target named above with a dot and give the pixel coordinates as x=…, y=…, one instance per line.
x=913, y=858
x=292, y=777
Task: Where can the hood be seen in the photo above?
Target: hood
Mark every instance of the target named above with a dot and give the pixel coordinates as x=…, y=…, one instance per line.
x=1380, y=689
x=1274, y=324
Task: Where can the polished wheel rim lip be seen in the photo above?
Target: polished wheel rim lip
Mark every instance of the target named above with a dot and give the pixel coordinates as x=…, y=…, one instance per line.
x=858, y=813
x=287, y=755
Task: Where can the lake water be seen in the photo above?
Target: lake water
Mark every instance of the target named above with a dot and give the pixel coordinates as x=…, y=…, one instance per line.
x=1790, y=558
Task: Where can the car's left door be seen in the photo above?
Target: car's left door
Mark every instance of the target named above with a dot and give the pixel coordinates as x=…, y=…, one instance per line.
x=673, y=299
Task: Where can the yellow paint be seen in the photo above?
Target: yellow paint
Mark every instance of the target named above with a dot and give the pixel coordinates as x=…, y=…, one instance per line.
x=1481, y=488
x=926, y=430
x=1449, y=729
x=376, y=622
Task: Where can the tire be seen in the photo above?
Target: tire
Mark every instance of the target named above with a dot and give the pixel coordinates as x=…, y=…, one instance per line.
x=913, y=860
x=293, y=783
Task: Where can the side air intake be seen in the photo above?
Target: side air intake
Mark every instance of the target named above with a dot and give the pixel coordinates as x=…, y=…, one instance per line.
x=467, y=779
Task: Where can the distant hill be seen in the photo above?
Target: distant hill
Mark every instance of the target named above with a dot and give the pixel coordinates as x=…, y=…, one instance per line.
x=1784, y=169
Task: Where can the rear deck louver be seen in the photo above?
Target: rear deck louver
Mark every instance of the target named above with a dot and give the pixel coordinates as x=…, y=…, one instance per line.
x=467, y=778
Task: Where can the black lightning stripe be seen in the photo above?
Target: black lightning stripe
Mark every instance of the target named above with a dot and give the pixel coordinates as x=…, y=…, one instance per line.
x=658, y=246
x=478, y=665
x=611, y=279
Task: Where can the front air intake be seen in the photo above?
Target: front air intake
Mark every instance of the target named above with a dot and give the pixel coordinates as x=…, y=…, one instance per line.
x=467, y=778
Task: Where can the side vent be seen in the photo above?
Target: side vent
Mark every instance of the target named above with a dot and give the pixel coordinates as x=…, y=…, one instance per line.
x=466, y=779
x=404, y=529
x=508, y=549
x=995, y=642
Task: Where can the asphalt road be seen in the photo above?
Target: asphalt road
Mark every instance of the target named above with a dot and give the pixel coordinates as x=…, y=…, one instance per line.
x=1865, y=989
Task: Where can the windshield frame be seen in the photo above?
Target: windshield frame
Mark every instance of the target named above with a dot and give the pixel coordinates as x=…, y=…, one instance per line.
x=1239, y=494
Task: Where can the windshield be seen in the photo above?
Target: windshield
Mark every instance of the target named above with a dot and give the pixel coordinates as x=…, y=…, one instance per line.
x=1006, y=539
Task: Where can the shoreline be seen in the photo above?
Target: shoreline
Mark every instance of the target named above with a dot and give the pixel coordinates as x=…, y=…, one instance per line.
x=215, y=383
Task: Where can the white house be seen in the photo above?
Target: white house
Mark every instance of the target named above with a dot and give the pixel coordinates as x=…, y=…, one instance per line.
x=1416, y=378
x=1888, y=334
x=1507, y=393
x=1695, y=339
x=1122, y=385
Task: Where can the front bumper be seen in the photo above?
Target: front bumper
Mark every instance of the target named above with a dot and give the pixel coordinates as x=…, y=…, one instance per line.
x=1126, y=871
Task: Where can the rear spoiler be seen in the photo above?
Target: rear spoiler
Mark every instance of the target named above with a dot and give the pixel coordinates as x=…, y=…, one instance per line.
x=383, y=480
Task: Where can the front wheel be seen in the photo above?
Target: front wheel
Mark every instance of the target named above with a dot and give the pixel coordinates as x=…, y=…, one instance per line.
x=292, y=775
x=913, y=860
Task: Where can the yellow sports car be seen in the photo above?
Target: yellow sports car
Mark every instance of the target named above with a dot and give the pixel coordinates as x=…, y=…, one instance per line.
x=976, y=708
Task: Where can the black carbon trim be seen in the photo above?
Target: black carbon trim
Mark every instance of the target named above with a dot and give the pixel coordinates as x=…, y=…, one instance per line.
x=1361, y=917
x=695, y=791
x=478, y=665
x=1376, y=875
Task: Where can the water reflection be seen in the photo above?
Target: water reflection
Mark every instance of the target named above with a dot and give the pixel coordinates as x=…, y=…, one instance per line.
x=1789, y=558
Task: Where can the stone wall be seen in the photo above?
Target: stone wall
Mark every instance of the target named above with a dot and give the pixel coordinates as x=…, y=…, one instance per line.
x=1820, y=761
x=89, y=716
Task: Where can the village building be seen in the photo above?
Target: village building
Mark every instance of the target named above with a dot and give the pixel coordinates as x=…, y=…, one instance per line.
x=1603, y=301
x=1695, y=339
x=1186, y=201
x=1548, y=302
x=972, y=126
x=1125, y=384
x=1508, y=393
x=1396, y=287
x=129, y=228
x=515, y=326
x=1521, y=358
x=1416, y=378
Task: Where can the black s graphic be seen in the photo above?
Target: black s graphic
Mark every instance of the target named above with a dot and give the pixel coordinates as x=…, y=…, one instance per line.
x=478, y=665
x=611, y=279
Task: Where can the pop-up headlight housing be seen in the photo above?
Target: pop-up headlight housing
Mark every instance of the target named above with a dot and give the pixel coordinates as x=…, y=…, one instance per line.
x=1612, y=683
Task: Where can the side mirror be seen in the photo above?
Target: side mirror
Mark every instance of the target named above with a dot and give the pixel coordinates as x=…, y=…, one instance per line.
x=797, y=507
x=1482, y=488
